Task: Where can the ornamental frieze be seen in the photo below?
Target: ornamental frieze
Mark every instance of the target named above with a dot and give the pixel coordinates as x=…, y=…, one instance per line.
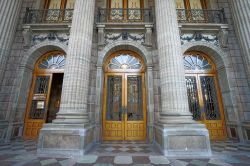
x=111, y=37
x=210, y=38
x=38, y=38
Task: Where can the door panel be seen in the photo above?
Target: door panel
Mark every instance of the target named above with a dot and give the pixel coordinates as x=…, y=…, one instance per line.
x=37, y=106
x=212, y=109
x=193, y=98
x=113, y=108
x=205, y=104
x=211, y=105
x=124, y=107
x=135, y=108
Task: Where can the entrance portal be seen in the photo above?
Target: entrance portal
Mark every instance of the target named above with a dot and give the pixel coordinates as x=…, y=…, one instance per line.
x=124, y=104
x=45, y=93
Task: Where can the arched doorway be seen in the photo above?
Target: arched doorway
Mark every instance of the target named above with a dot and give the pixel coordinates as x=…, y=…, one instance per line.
x=124, y=100
x=45, y=93
x=204, y=95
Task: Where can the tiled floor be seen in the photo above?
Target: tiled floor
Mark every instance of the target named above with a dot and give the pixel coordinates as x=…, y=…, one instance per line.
x=124, y=148
x=123, y=153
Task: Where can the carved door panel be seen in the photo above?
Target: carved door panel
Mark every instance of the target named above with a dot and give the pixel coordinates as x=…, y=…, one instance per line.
x=37, y=105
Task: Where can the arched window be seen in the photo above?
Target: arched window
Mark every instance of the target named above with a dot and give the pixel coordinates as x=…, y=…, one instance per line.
x=203, y=91
x=52, y=61
x=124, y=61
x=197, y=63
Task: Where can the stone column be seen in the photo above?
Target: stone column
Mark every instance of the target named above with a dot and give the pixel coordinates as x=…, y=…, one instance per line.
x=71, y=133
x=176, y=130
x=241, y=17
x=9, y=14
x=73, y=108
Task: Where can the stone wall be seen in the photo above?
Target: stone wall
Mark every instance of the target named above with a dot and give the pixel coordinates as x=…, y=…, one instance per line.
x=10, y=89
x=239, y=117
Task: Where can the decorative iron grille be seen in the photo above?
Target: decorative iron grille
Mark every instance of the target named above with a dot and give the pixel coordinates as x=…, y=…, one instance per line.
x=201, y=16
x=124, y=15
x=114, y=98
x=48, y=16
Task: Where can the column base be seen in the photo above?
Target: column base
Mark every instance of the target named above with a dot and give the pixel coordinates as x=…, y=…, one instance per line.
x=183, y=140
x=65, y=139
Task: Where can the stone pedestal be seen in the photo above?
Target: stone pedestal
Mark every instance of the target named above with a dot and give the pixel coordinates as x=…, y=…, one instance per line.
x=67, y=140
x=183, y=140
x=71, y=133
x=176, y=133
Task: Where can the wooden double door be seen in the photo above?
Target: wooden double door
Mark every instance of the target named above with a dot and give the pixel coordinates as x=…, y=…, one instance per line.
x=124, y=107
x=45, y=93
x=205, y=103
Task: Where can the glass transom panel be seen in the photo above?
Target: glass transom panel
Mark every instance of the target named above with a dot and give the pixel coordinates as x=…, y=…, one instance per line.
x=124, y=62
x=196, y=63
x=52, y=62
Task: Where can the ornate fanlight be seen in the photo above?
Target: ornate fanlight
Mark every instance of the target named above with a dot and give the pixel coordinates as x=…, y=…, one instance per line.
x=124, y=62
x=196, y=62
x=55, y=61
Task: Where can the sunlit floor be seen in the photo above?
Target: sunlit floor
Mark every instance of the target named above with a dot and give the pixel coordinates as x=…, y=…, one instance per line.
x=124, y=153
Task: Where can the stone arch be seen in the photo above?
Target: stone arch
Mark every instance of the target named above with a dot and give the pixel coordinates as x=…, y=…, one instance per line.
x=38, y=50
x=125, y=45
x=215, y=53
x=223, y=68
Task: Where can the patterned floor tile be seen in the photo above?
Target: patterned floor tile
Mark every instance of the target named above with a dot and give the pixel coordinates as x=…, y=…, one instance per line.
x=123, y=160
x=48, y=161
x=199, y=162
x=228, y=153
x=67, y=162
x=178, y=162
x=159, y=160
x=218, y=162
x=88, y=159
x=141, y=160
x=105, y=159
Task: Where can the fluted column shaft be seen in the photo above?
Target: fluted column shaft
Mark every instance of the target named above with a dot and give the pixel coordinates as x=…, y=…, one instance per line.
x=9, y=14
x=73, y=108
x=241, y=17
x=172, y=75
